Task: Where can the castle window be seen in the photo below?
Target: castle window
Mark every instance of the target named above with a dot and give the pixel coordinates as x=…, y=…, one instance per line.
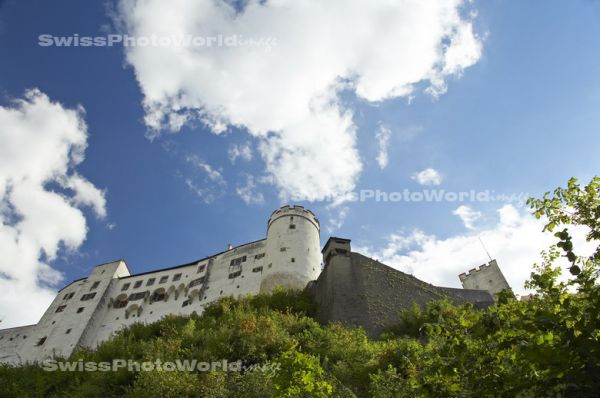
x=137, y=284
x=292, y=226
x=88, y=296
x=121, y=303
x=163, y=279
x=137, y=296
x=41, y=341
x=125, y=287
x=185, y=303
x=61, y=308
x=201, y=268
x=176, y=277
x=237, y=261
x=150, y=282
x=293, y=260
x=80, y=310
x=69, y=296
x=234, y=275
x=94, y=285
x=197, y=282
x=159, y=295
x=259, y=256
x=282, y=249
x=68, y=331
x=257, y=269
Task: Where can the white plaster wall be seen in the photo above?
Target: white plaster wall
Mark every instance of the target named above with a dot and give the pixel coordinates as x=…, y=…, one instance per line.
x=219, y=285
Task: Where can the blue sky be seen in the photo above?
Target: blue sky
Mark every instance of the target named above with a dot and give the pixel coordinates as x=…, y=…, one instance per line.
x=521, y=117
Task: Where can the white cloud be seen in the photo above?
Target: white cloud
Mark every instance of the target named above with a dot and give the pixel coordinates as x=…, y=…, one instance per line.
x=337, y=217
x=287, y=96
x=383, y=141
x=515, y=241
x=41, y=144
x=211, y=173
x=428, y=177
x=87, y=194
x=467, y=215
x=213, y=184
x=240, y=151
x=248, y=192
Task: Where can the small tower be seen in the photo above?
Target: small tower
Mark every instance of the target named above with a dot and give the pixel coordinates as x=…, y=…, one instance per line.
x=335, y=246
x=487, y=277
x=292, y=252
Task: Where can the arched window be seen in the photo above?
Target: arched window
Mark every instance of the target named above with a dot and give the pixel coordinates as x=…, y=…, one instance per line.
x=158, y=295
x=121, y=301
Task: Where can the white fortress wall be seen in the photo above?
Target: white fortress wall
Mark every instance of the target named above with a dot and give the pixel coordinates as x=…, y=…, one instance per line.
x=90, y=310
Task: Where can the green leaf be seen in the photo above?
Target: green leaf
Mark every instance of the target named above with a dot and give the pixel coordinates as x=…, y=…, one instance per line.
x=575, y=270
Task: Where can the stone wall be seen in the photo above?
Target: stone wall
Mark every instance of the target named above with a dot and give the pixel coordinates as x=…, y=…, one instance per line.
x=359, y=291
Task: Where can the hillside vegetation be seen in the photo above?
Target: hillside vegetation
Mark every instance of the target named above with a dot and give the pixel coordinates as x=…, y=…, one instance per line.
x=545, y=347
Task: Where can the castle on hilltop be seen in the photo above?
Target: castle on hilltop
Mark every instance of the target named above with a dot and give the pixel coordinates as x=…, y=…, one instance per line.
x=347, y=287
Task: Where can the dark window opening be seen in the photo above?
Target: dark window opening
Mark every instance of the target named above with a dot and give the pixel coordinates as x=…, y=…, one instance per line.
x=234, y=275
x=137, y=296
x=88, y=296
x=80, y=310
x=158, y=296
x=164, y=279
x=125, y=287
x=41, y=341
x=61, y=308
x=120, y=303
x=237, y=261
x=196, y=282
x=137, y=284
x=94, y=285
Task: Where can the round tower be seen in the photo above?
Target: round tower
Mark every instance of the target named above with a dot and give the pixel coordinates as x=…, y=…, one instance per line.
x=292, y=254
